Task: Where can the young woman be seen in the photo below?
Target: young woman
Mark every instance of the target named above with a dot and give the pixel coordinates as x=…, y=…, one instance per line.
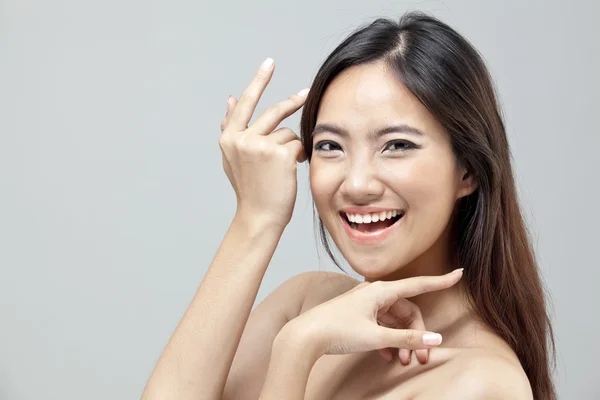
x=411, y=176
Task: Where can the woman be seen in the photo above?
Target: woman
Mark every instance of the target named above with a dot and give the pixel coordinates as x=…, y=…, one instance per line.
x=411, y=176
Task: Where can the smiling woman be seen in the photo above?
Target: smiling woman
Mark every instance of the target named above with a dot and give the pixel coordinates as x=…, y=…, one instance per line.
x=452, y=181
x=411, y=177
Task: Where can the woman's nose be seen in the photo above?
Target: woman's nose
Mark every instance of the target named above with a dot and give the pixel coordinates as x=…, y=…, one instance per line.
x=361, y=184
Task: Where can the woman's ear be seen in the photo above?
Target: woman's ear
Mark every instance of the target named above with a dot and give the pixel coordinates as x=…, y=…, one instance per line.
x=467, y=183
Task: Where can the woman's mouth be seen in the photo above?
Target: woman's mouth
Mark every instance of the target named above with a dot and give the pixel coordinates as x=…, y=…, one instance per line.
x=370, y=228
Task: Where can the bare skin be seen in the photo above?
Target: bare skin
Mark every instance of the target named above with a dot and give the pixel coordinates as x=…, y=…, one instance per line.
x=296, y=344
x=467, y=346
x=458, y=364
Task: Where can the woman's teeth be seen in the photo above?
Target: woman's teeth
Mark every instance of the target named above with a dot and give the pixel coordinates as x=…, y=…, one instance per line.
x=372, y=217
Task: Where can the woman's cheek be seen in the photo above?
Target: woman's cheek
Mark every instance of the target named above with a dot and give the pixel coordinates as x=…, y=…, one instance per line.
x=427, y=188
x=322, y=183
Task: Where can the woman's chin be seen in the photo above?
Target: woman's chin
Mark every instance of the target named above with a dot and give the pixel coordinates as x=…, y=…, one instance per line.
x=374, y=269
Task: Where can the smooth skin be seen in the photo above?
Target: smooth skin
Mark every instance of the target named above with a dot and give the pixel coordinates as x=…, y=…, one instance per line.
x=320, y=335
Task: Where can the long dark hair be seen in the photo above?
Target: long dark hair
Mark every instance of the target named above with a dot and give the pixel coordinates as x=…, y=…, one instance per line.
x=445, y=72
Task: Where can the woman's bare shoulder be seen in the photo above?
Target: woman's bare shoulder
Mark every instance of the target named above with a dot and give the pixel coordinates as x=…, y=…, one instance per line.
x=485, y=372
x=479, y=374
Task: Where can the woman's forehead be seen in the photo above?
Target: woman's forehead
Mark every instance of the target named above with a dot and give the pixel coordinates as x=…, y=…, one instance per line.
x=368, y=96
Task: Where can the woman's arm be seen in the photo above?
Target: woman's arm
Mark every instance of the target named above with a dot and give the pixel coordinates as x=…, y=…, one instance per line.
x=293, y=297
x=292, y=359
x=197, y=358
x=261, y=166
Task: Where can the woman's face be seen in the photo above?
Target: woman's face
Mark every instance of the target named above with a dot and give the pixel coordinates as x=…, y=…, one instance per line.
x=386, y=196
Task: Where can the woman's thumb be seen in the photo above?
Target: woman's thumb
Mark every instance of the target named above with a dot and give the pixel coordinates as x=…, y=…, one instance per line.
x=411, y=339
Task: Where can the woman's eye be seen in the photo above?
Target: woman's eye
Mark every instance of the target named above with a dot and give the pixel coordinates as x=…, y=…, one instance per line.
x=400, y=145
x=327, y=145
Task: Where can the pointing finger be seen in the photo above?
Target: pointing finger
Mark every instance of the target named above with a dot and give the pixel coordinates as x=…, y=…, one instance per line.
x=249, y=99
x=273, y=116
x=411, y=287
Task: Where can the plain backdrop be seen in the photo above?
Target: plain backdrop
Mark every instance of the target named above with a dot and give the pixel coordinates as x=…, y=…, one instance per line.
x=113, y=200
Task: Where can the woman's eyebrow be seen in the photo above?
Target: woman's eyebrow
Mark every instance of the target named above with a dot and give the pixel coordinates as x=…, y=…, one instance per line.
x=399, y=128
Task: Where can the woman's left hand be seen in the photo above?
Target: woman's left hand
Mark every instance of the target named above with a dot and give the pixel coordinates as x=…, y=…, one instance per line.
x=372, y=316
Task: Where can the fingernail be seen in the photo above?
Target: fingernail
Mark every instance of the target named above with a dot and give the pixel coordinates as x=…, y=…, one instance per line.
x=303, y=92
x=432, y=339
x=456, y=271
x=266, y=65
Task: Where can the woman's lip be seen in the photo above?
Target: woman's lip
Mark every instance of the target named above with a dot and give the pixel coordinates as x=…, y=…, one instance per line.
x=367, y=210
x=369, y=238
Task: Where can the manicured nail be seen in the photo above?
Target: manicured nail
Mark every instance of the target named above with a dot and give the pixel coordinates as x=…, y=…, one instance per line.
x=266, y=65
x=456, y=271
x=432, y=339
x=303, y=92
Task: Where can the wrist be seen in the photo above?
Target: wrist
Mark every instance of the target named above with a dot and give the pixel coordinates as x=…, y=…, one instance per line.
x=257, y=225
x=296, y=341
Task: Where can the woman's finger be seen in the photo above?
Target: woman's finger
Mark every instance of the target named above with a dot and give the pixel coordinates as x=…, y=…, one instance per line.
x=296, y=147
x=405, y=314
x=386, y=354
x=390, y=292
x=411, y=339
x=413, y=320
x=404, y=356
x=283, y=136
x=231, y=103
x=272, y=117
x=393, y=296
x=422, y=354
x=249, y=99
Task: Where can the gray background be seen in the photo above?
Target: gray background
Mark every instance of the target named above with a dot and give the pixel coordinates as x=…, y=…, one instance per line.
x=113, y=200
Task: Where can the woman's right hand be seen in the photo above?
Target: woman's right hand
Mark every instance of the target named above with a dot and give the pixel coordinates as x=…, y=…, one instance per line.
x=259, y=162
